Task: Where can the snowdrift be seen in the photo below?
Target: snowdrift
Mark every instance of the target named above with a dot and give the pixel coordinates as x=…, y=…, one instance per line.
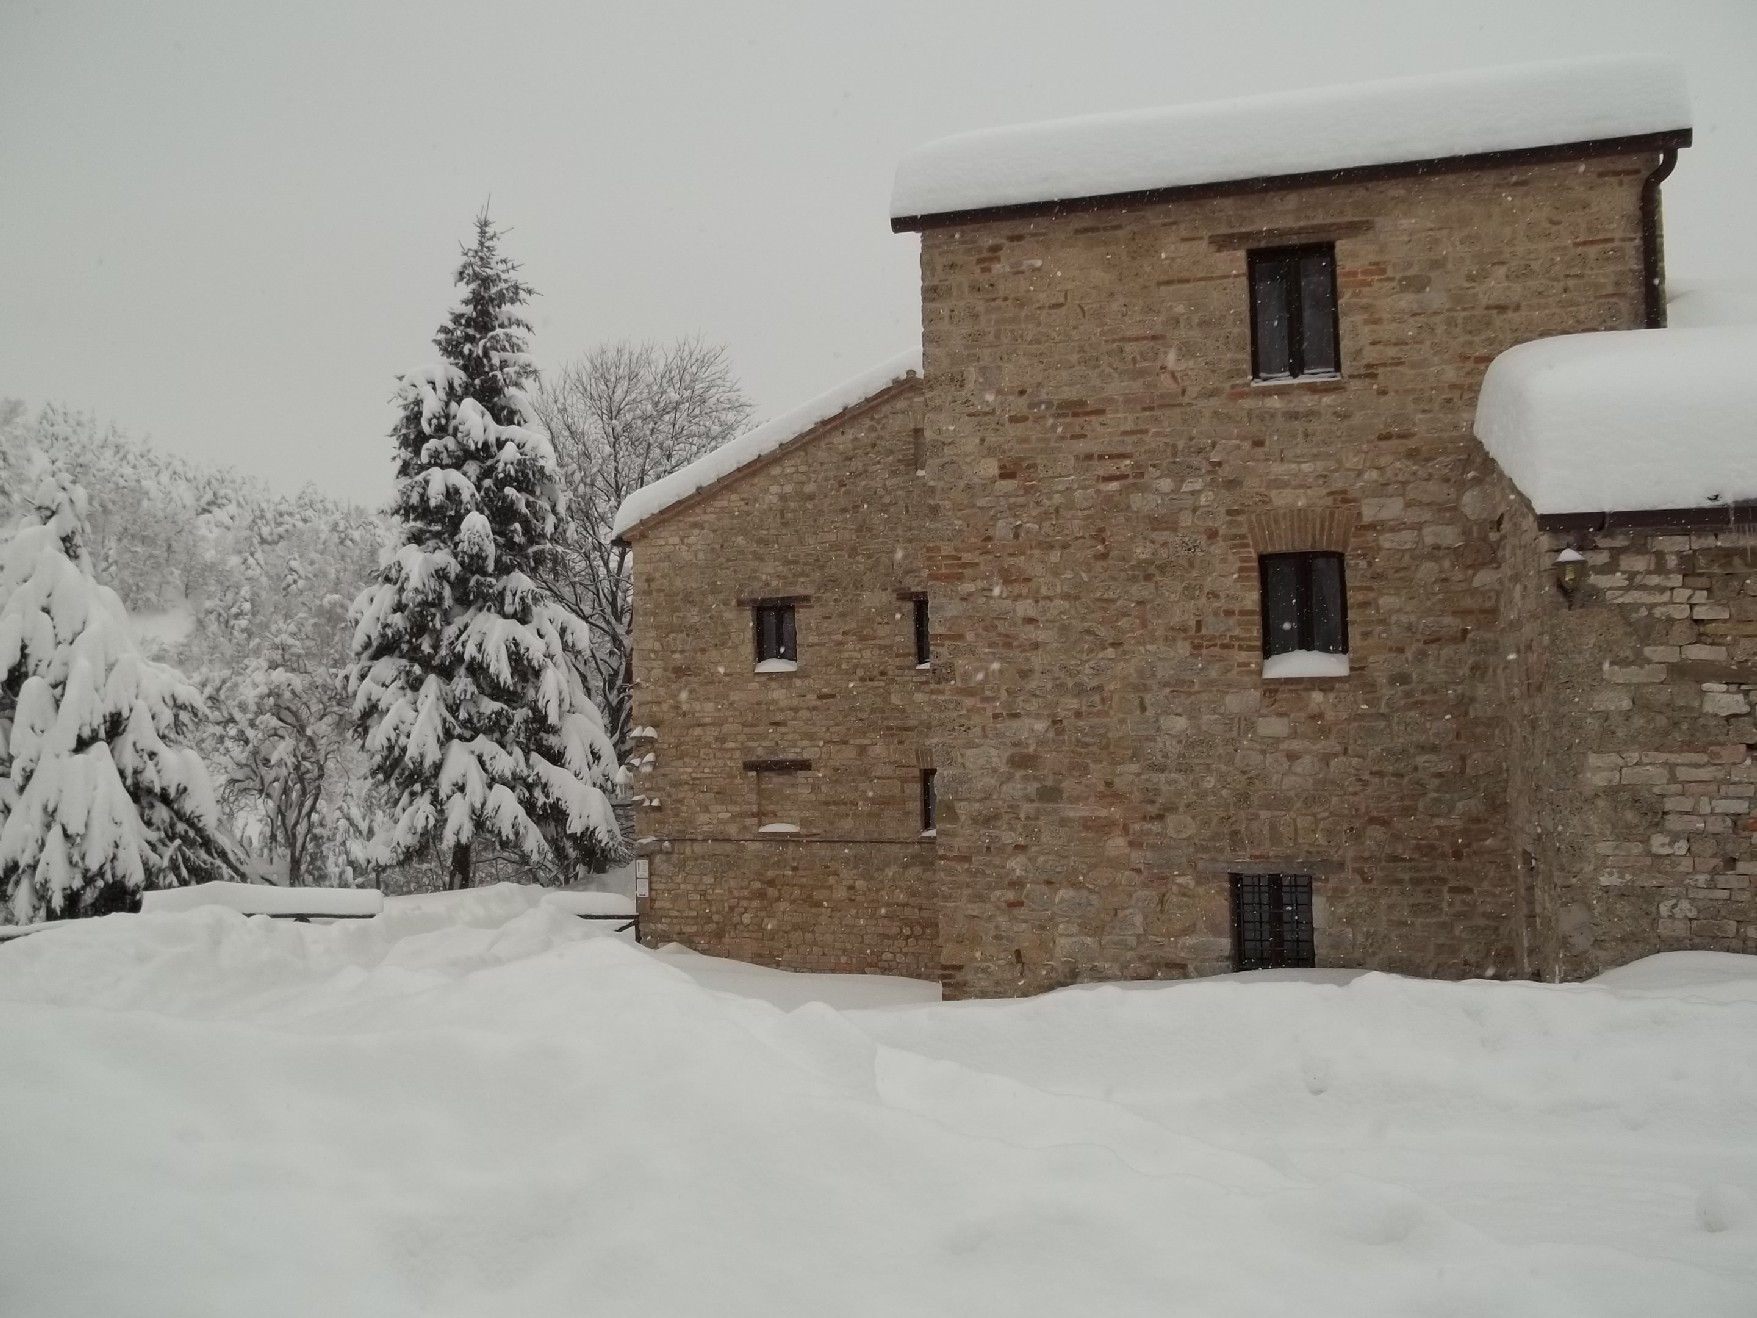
x=479, y=1104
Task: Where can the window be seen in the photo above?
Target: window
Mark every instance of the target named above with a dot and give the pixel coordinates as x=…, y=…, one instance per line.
x=777, y=649
x=784, y=791
x=1272, y=921
x=929, y=812
x=1293, y=313
x=923, y=643
x=1305, y=615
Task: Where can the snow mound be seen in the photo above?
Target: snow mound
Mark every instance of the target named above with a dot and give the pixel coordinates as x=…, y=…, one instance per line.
x=591, y=903
x=1674, y=973
x=262, y=899
x=476, y=1103
x=1695, y=303
x=1377, y=123
x=1625, y=420
x=760, y=441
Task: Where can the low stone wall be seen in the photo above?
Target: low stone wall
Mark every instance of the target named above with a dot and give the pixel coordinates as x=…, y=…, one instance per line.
x=798, y=904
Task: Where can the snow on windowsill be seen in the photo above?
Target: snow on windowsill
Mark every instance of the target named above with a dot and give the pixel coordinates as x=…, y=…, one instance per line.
x=1305, y=663
x=779, y=828
x=930, y=832
x=777, y=666
x=924, y=668
x=1282, y=381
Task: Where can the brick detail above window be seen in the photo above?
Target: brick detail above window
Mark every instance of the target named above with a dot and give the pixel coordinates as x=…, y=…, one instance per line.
x=1301, y=530
x=1284, y=237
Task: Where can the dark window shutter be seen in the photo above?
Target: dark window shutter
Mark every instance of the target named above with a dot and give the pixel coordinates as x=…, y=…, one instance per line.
x=1271, y=305
x=1317, y=318
x=1281, y=603
x=1329, y=604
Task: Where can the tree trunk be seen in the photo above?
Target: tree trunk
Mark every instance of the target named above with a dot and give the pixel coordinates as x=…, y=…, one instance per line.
x=460, y=866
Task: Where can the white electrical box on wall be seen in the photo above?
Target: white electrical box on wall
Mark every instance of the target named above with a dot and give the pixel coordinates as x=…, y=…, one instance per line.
x=642, y=868
x=640, y=888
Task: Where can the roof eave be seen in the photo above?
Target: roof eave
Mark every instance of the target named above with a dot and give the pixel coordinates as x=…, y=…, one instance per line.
x=1739, y=515
x=1669, y=140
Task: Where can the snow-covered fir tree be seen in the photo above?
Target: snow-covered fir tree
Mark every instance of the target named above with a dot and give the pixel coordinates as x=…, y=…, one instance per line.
x=466, y=691
x=101, y=794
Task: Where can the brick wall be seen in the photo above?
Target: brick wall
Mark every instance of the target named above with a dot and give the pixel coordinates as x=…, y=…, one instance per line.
x=1104, y=475
x=1633, y=775
x=832, y=521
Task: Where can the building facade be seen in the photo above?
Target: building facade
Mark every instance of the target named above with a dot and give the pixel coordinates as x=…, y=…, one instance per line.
x=1239, y=649
x=780, y=792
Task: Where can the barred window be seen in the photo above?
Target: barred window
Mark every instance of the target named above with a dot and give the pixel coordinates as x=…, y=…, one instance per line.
x=1272, y=921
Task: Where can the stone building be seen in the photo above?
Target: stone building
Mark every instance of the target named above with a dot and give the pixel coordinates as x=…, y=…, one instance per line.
x=780, y=775
x=1174, y=619
x=1628, y=466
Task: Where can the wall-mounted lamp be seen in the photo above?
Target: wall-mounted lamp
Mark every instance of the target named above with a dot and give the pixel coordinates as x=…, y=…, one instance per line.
x=1570, y=572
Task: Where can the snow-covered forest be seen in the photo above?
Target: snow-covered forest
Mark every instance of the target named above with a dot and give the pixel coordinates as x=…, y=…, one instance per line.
x=245, y=593
x=343, y=682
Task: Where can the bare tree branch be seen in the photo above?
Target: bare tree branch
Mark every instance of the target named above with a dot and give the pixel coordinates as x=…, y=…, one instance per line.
x=621, y=417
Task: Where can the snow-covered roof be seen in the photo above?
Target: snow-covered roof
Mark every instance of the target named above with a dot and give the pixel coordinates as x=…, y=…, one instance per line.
x=1397, y=121
x=1626, y=421
x=760, y=441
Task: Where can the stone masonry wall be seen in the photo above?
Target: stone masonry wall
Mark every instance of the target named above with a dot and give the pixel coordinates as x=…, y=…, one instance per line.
x=1634, y=775
x=1104, y=475
x=832, y=522
x=843, y=907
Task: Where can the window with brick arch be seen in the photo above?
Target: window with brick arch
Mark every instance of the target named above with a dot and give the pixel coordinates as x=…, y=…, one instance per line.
x=1305, y=604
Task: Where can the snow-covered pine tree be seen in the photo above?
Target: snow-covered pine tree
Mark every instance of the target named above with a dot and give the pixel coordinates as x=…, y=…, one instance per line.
x=100, y=793
x=466, y=692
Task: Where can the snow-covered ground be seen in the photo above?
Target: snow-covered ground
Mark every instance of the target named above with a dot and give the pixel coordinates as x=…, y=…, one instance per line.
x=478, y=1104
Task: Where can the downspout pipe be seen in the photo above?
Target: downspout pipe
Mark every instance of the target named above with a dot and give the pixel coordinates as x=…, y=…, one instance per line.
x=1653, y=241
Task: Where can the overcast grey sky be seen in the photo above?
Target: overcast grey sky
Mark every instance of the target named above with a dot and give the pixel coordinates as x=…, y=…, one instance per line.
x=230, y=225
